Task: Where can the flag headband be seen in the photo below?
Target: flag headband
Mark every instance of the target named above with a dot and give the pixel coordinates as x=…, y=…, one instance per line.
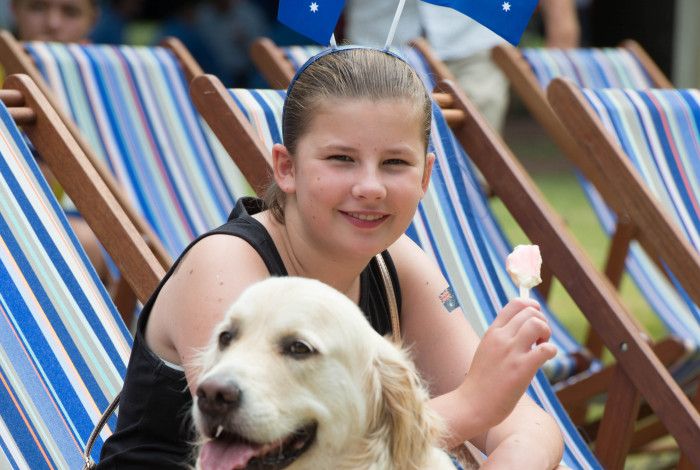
x=325, y=52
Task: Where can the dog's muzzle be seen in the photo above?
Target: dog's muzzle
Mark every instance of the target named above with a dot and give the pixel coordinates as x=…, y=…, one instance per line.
x=217, y=401
x=217, y=398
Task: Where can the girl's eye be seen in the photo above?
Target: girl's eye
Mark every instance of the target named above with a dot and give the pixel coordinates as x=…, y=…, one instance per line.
x=395, y=161
x=340, y=158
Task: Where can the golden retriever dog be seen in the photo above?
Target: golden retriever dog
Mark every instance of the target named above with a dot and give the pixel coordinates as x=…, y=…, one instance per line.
x=295, y=377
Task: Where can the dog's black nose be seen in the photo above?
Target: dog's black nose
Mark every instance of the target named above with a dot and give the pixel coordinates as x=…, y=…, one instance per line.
x=217, y=396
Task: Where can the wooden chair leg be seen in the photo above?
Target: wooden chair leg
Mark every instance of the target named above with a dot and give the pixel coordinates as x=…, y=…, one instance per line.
x=684, y=463
x=646, y=434
x=576, y=394
x=616, y=428
x=625, y=232
x=124, y=299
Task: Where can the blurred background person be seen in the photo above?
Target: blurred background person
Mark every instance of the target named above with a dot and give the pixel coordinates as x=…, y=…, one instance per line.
x=54, y=20
x=228, y=27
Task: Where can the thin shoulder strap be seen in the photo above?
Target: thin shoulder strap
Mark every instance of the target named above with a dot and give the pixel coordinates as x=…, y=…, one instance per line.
x=87, y=459
x=391, y=299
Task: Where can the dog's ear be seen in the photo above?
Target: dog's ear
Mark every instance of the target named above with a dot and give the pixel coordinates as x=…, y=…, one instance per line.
x=399, y=413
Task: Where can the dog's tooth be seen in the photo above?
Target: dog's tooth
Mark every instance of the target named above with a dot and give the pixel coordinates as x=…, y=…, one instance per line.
x=219, y=430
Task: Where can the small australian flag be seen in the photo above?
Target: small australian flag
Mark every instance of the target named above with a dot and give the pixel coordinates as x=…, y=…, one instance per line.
x=315, y=19
x=507, y=18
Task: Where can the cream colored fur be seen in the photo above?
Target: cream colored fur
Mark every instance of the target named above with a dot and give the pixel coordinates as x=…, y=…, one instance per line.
x=362, y=390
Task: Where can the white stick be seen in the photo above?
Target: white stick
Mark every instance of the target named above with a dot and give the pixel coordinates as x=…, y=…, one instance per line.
x=394, y=24
x=524, y=292
x=333, y=43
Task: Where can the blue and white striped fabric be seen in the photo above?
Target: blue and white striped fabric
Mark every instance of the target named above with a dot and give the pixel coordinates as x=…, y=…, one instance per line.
x=451, y=225
x=588, y=67
x=63, y=346
x=132, y=105
x=659, y=130
x=618, y=68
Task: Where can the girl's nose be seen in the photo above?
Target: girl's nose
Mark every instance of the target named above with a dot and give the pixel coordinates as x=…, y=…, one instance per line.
x=369, y=186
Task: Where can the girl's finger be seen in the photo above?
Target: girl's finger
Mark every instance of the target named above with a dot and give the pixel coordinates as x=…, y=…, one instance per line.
x=511, y=309
x=519, y=319
x=533, y=331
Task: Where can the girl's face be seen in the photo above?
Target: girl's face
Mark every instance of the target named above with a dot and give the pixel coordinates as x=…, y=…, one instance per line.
x=54, y=20
x=358, y=174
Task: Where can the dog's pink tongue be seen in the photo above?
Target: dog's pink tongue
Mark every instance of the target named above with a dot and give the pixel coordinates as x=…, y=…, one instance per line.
x=219, y=455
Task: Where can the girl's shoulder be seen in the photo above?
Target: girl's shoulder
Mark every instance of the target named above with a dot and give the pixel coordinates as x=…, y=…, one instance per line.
x=418, y=273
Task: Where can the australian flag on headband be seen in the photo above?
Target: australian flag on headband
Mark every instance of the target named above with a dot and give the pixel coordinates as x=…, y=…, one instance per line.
x=315, y=19
x=507, y=18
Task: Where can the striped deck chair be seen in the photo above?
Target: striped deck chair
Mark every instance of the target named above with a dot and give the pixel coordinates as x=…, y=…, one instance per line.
x=628, y=66
x=131, y=105
x=530, y=70
x=63, y=347
x=455, y=234
x=140, y=267
x=451, y=234
x=647, y=145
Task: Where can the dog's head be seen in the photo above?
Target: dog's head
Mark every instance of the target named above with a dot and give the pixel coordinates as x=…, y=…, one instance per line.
x=295, y=376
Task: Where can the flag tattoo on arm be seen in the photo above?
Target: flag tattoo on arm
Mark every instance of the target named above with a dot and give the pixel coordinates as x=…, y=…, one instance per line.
x=448, y=299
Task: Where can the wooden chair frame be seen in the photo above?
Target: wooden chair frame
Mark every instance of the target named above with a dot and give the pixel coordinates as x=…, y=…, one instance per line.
x=656, y=232
x=639, y=373
x=72, y=168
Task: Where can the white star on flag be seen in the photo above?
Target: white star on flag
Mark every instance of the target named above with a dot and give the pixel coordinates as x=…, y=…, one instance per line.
x=506, y=6
x=313, y=7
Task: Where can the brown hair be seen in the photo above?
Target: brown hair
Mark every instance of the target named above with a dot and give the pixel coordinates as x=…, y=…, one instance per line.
x=346, y=73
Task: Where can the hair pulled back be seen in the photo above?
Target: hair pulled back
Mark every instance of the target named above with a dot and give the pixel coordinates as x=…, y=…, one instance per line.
x=354, y=73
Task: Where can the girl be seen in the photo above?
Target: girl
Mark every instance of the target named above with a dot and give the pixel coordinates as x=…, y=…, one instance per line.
x=347, y=183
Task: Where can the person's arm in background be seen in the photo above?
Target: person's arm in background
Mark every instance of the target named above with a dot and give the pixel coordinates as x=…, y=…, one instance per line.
x=561, y=25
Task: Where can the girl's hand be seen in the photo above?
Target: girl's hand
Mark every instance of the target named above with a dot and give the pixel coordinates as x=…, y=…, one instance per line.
x=507, y=358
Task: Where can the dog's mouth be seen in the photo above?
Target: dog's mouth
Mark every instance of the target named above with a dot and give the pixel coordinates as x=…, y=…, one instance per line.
x=230, y=451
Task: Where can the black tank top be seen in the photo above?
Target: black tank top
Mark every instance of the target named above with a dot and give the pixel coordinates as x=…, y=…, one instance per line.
x=154, y=430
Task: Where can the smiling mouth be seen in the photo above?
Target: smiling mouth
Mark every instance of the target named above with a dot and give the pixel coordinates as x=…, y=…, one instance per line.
x=231, y=451
x=367, y=217
x=365, y=220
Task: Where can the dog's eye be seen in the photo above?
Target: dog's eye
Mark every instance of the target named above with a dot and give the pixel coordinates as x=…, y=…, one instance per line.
x=225, y=338
x=297, y=348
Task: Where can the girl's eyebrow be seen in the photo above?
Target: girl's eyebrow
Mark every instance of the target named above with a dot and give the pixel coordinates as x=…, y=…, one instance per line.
x=399, y=149
x=337, y=147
